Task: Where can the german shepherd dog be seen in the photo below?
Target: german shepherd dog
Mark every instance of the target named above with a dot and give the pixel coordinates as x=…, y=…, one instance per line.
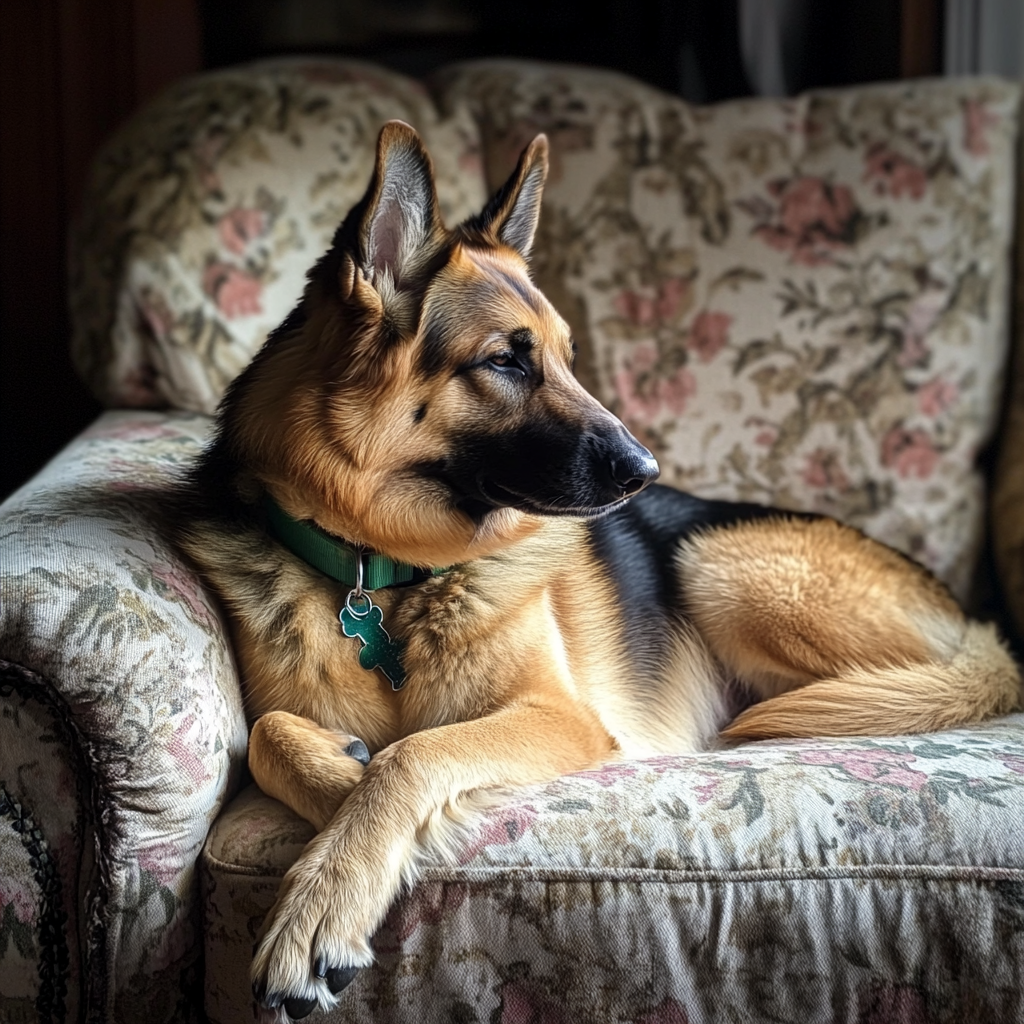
x=419, y=408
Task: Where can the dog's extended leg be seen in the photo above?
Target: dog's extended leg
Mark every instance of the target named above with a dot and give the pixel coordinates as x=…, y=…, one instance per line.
x=838, y=634
x=307, y=767
x=338, y=891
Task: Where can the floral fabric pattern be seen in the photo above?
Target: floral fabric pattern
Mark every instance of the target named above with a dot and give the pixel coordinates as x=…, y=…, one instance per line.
x=788, y=881
x=796, y=302
x=204, y=214
x=106, y=631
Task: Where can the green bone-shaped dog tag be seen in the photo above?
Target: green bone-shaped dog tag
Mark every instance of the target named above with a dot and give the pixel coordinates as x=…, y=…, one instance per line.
x=378, y=650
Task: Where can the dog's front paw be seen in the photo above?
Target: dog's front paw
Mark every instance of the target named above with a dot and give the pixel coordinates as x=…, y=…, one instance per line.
x=308, y=954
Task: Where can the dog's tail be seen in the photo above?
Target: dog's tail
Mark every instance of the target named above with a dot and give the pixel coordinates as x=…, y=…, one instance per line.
x=981, y=679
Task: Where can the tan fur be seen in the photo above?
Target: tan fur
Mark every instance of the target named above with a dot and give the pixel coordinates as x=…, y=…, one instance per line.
x=521, y=666
x=864, y=641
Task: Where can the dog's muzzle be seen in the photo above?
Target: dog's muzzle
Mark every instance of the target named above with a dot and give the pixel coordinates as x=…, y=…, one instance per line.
x=547, y=469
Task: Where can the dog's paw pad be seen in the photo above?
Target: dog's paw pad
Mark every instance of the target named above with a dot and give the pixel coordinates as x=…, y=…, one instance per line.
x=357, y=749
x=339, y=978
x=296, y=1007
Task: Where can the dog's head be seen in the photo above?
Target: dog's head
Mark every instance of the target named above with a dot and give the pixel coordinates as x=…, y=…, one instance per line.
x=421, y=400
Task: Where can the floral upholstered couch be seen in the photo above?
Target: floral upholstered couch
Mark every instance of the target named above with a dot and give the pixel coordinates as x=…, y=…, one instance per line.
x=804, y=303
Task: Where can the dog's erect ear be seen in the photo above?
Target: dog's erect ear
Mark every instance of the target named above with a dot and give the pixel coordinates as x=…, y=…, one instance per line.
x=513, y=213
x=401, y=225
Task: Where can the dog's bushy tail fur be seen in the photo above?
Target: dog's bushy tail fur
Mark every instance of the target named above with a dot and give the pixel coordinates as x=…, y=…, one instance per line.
x=981, y=679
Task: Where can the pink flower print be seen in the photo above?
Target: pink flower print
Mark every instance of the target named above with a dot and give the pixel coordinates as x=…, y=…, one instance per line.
x=671, y=293
x=640, y=406
x=162, y=860
x=677, y=390
x=238, y=227
x=429, y=903
x=185, y=586
x=936, y=396
x=1013, y=762
x=235, y=292
x=813, y=218
x=823, y=469
x=873, y=765
x=977, y=121
x=894, y=174
x=921, y=317
x=185, y=748
x=668, y=1011
x=909, y=452
x=706, y=790
x=635, y=409
x=609, y=775
x=521, y=1006
x=500, y=828
x=14, y=895
x=767, y=433
x=646, y=309
x=709, y=334
x=643, y=395
x=636, y=308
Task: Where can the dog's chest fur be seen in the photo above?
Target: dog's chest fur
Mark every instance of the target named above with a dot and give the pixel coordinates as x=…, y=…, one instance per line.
x=532, y=618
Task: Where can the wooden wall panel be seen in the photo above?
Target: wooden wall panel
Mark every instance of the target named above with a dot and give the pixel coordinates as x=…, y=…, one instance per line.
x=70, y=72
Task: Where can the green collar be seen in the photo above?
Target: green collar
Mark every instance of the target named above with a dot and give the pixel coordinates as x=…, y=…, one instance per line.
x=337, y=559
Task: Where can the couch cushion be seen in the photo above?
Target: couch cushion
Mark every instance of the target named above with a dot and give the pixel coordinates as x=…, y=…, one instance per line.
x=826, y=880
x=204, y=213
x=796, y=302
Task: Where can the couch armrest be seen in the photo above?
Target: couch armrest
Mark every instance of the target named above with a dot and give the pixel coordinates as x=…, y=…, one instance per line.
x=122, y=705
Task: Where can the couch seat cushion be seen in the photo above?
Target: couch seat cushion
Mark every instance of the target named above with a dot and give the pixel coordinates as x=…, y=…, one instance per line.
x=868, y=880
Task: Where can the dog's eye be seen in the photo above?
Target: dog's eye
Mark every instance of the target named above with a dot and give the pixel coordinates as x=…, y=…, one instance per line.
x=507, y=363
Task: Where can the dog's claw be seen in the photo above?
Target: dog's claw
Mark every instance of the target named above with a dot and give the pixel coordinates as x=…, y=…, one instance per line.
x=271, y=1002
x=357, y=749
x=297, y=1008
x=339, y=978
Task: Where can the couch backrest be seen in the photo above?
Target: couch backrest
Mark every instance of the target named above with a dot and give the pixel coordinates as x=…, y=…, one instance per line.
x=204, y=213
x=798, y=302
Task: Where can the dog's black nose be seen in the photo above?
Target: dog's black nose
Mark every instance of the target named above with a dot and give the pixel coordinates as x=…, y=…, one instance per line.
x=634, y=470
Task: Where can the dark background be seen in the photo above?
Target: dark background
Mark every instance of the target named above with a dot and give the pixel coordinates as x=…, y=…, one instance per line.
x=72, y=70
